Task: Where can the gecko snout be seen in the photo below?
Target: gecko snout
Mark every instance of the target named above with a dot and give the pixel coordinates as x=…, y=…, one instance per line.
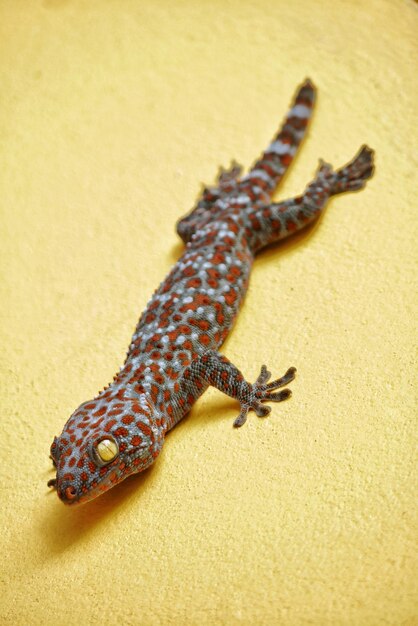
x=70, y=493
x=67, y=493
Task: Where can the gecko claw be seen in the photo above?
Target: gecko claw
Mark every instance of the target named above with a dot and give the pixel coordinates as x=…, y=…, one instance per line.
x=242, y=417
x=283, y=380
x=263, y=376
x=278, y=397
x=261, y=410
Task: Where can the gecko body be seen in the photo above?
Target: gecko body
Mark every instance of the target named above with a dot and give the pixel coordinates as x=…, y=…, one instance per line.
x=173, y=356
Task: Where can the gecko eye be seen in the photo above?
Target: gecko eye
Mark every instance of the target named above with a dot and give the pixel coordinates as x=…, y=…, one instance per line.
x=105, y=451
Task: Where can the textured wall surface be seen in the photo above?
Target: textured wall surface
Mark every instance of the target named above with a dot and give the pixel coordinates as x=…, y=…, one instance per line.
x=112, y=114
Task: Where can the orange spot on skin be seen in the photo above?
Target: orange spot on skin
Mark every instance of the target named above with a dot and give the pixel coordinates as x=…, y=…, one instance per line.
x=121, y=432
x=230, y=297
x=189, y=271
x=217, y=258
x=285, y=159
x=201, y=299
x=194, y=283
x=291, y=226
x=109, y=425
x=171, y=373
x=144, y=428
x=202, y=324
x=154, y=392
x=127, y=419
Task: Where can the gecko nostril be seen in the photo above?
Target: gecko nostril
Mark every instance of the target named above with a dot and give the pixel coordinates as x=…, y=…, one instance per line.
x=70, y=493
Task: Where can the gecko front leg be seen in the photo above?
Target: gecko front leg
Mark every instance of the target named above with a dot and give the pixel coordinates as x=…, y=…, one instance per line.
x=216, y=370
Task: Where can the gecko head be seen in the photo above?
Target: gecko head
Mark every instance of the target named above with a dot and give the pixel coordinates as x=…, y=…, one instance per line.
x=104, y=441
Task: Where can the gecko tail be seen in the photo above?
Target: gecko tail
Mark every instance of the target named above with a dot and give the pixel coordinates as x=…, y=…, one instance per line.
x=269, y=169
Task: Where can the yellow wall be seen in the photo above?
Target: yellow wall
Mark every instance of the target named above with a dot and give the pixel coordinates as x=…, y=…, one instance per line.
x=112, y=114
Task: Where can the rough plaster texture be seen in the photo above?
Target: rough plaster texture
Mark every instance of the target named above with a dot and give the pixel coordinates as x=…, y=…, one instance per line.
x=112, y=114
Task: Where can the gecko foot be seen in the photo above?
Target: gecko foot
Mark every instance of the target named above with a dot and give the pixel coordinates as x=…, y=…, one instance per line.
x=355, y=174
x=262, y=391
x=226, y=176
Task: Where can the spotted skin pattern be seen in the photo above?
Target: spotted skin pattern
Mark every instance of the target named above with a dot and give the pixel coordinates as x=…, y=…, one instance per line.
x=173, y=356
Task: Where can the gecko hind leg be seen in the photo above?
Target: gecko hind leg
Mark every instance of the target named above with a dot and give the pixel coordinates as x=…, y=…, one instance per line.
x=205, y=208
x=276, y=221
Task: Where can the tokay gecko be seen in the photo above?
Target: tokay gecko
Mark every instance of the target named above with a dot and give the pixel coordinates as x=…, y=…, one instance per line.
x=173, y=356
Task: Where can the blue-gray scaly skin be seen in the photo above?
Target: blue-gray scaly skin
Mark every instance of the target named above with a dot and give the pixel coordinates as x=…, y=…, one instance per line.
x=173, y=356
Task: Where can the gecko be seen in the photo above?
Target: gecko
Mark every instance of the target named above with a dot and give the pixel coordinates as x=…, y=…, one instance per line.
x=173, y=356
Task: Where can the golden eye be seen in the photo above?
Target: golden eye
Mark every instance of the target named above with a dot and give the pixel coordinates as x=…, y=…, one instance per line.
x=107, y=450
